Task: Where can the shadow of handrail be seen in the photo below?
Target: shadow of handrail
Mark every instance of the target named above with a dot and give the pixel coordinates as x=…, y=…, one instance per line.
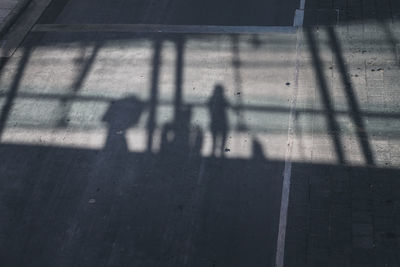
x=324, y=92
x=351, y=98
x=12, y=92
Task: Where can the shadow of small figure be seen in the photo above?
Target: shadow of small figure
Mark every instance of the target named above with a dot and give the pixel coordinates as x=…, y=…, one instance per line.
x=258, y=151
x=217, y=106
x=182, y=139
x=195, y=141
x=121, y=115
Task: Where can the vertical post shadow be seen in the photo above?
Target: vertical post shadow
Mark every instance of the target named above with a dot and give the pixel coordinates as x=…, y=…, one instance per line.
x=236, y=64
x=180, y=46
x=156, y=64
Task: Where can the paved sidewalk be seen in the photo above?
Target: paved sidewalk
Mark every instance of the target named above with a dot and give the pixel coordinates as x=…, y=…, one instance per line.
x=320, y=11
x=6, y=6
x=10, y=11
x=345, y=211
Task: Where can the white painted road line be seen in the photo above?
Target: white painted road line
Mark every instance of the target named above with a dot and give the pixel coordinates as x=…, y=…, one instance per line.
x=299, y=14
x=154, y=28
x=302, y=4
x=298, y=18
x=287, y=173
x=280, y=248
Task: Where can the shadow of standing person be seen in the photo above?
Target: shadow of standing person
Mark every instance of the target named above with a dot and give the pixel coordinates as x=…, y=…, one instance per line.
x=112, y=173
x=217, y=106
x=121, y=115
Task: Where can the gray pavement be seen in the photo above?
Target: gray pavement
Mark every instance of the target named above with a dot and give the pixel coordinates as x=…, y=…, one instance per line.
x=158, y=149
x=6, y=6
x=347, y=214
x=186, y=12
x=119, y=161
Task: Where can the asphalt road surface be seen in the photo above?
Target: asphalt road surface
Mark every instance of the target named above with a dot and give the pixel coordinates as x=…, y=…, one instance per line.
x=131, y=149
x=132, y=145
x=183, y=12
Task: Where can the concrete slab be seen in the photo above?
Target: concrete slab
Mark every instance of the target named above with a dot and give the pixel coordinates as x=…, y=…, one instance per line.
x=146, y=149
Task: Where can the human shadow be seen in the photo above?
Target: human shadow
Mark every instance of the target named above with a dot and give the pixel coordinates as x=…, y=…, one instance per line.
x=113, y=170
x=88, y=207
x=217, y=105
x=121, y=115
x=258, y=151
x=182, y=138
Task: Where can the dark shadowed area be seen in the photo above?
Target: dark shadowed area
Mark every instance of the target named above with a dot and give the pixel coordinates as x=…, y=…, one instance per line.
x=182, y=12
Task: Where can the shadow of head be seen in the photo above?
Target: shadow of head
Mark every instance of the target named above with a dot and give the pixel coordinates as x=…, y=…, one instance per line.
x=219, y=90
x=124, y=113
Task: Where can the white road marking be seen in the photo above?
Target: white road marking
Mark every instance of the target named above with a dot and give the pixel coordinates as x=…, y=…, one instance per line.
x=280, y=247
x=298, y=18
x=302, y=4
x=299, y=14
